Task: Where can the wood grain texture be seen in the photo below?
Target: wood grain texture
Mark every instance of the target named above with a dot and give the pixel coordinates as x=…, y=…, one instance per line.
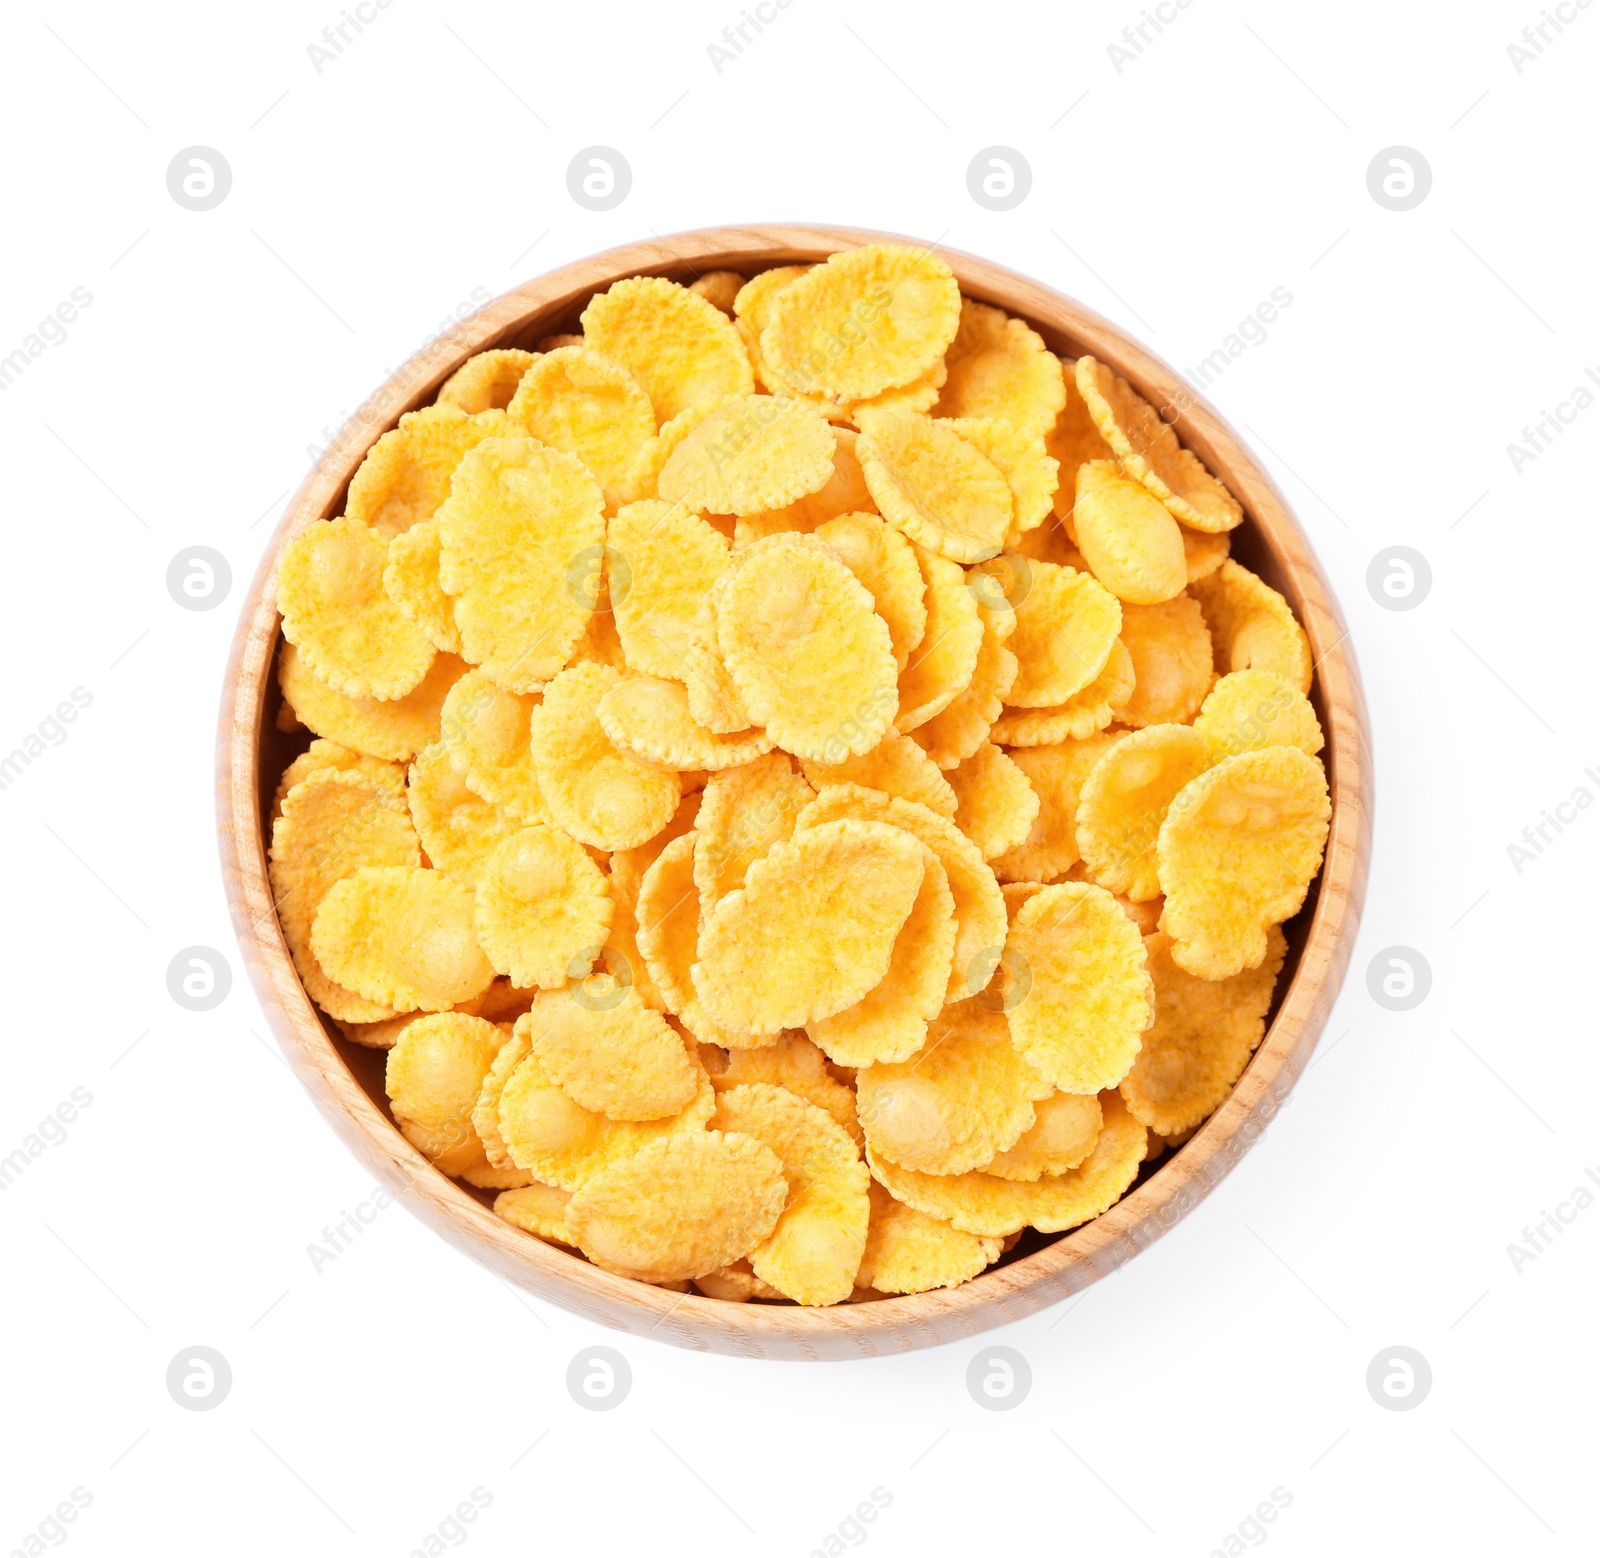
x=347, y=1082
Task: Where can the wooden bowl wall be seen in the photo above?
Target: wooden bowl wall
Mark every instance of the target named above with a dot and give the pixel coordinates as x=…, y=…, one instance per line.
x=347, y=1081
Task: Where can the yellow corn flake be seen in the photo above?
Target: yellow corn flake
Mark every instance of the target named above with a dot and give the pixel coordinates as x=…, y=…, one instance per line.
x=671, y=558
x=919, y=395
x=885, y=564
x=909, y=1252
x=650, y=719
x=751, y=311
x=1252, y=625
x=812, y=929
x=814, y=1249
x=743, y=813
x=796, y=1063
x=991, y=1207
x=559, y=1142
x=484, y=728
x=844, y=492
x=735, y=1283
x=433, y=1077
x=1149, y=450
x=999, y=367
x=458, y=828
x=1133, y=545
x=1018, y=453
x=628, y=866
x=1172, y=663
x=1204, y=1034
x=1088, y=996
x=537, y=1209
x=1057, y=774
x=979, y=909
x=543, y=908
x=488, y=381
x=395, y=730
x=868, y=320
x=554, y=343
x=1203, y=554
x=323, y=755
x=896, y=766
x=1067, y=623
x=1064, y=1131
x=681, y=348
x=598, y=794
x=945, y=660
x=514, y=1047
x=406, y=474
x=891, y=1020
x=995, y=804
x=619, y=1059
x=806, y=649
x=1236, y=853
x=962, y=726
x=719, y=288
x=1250, y=709
x=750, y=455
x=680, y=1207
x=930, y=482
x=1080, y=716
x=1125, y=799
x=411, y=580
x=1073, y=442
x=337, y=613
x=965, y=1096
x=513, y=537
x=713, y=699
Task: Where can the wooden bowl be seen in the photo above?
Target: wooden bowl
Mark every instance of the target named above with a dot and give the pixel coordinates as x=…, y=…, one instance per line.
x=347, y=1081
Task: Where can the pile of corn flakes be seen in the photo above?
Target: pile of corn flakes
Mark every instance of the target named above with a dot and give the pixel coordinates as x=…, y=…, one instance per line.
x=801, y=790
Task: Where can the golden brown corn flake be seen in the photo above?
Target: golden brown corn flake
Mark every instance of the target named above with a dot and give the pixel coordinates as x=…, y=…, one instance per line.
x=1148, y=449
x=411, y=580
x=945, y=660
x=1203, y=554
x=735, y=1283
x=1080, y=716
x=1237, y=852
x=433, y=1077
x=719, y=288
x=1252, y=625
x=796, y=1063
x=543, y=908
x=965, y=1096
x=909, y=1252
x=1133, y=545
x=401, y=936
x=395, y=730
x=600, y=795
x=1250, y=709
x=512, y=536
x=891, y=1020
x=650, y=719
x=486, y=382
x=814, y=1249
x=1125, y=799
x=337, y=613
x=619, y=1059
x=963, y=725
x=1073, y=442
x=537, y=1209
x=679, y=1207
x=333, y=823
x=931, y=483
x=743, y=813
x=672, y=557
x=1089, y=996
x=406, y=474
x=844, y=492
x=1204, y=1034
x=750, y=455
x=561, y=1143
x=995, y=804
x=322, y=755
x=885, y=564
x=1057, y=774
x=1067, y=623
x=1064, y=1131
x=999, y=367
x=484, y=728
x=514, y=1047
x=458, y=828
x=1171, y=652
x=812, y=929
x=991, y=1207
x=919, y=395
x=1018, y=453
x=806, y=649
x=896, y=766
x=575, y=399
x=628, y=866
x=713, y=699
x=868, y=320
x=979, y=910
x=681, y=348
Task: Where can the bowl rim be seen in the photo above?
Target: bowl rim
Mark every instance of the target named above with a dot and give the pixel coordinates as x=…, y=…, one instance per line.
x=895, y=1324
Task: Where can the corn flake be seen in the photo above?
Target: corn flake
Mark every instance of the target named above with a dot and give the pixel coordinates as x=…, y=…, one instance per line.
x=743, y=813
x=323, y=755
x=796, y=1063
x=1080, y=716
x=672, y=558
x=995, y=804
x=1057, y=774
x=962, y=726
x=1253, y=626
x=1250, y=709
x=650, y=719
x=406, y=474
x=395, y=730
x=1064, y=1131
x=1018, y=453
x=484, y=728
x=886, y=565
x=537, y=1209
x=945, y=660
x=488, y=381
x=896, y=766
x=433, y=1077
x=909, y=1252
x=543, y=908
x=719, y=288
x=750, y=455
x=999, y=367
x=1132, y=544
x=1067, y=623
x=411, y=580
x=458, y=828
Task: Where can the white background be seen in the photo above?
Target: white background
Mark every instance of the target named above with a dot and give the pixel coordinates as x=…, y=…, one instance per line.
x=368, y=202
